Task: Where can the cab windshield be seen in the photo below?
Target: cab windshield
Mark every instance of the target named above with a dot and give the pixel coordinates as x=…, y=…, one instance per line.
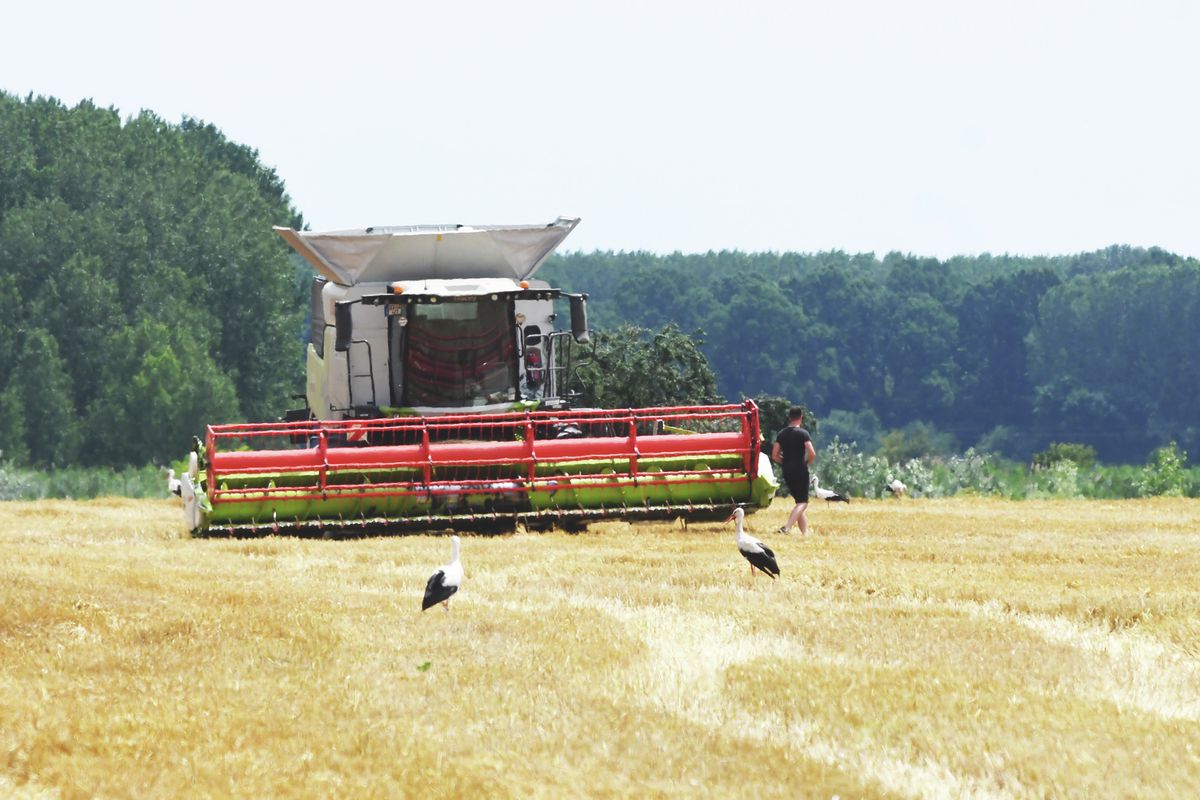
x=458, y=354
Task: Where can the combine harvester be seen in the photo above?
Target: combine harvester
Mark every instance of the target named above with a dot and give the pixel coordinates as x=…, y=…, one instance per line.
x=439, y=395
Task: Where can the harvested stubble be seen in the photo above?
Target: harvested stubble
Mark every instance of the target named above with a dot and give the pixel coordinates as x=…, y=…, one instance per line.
x=956, y=648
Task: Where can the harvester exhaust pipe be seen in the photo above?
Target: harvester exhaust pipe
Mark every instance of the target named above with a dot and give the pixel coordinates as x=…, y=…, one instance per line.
x=345, y=328
x=579, y=324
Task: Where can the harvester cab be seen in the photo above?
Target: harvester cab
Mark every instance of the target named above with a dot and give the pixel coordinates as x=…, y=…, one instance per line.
x=434, y=320
x=440, y=393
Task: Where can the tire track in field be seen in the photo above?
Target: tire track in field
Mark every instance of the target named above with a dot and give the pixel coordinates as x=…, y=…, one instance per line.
x=1142, y=673
x=27, y=791
x=688, y=654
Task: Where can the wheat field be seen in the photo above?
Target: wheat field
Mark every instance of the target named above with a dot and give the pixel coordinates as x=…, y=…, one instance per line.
x=951, y=648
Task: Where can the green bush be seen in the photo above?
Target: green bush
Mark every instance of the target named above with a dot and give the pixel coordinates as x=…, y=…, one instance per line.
x=916, y=440
x=1165, y=474
x=845, y=468
x=862, y=428
x=1111, y=482
x=849, y=471
x=1060, y=479
x=1005, y=441
x=971, y=472
x=16, y=484
x=842, y=467
x=81, y=483
x=1081, y=455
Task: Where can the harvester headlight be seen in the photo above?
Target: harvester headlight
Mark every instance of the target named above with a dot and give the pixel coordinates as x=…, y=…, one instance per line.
x=520, y=318
x=397, y=288
x=524, y=284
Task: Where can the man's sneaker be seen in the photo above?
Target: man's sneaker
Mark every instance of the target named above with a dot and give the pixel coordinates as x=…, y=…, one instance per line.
x=783, y=529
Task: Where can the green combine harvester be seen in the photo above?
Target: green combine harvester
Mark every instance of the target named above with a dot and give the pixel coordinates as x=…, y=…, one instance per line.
x=439, y=395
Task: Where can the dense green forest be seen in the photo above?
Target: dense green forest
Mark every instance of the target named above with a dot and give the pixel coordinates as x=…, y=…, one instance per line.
x=145, y=294
x=1004, y=353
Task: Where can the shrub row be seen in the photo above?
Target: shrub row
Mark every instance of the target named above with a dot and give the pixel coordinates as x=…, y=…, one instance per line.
x=846, y=469
x=841, y=466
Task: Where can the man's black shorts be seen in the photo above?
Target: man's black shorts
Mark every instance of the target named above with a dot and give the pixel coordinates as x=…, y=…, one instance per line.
x=796, y=479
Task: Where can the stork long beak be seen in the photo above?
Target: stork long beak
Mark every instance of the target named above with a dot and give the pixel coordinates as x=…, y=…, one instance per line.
x=732, y=514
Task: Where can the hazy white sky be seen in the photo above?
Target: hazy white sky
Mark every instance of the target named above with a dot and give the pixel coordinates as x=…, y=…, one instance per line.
x=935, y=127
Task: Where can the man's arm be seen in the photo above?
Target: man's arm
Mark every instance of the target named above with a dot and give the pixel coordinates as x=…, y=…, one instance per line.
x=810, y=453
x=777, y=454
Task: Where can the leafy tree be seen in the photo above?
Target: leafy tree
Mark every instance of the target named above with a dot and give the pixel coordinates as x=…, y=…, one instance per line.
x=853, y=472
x=921, y=376
x=915, y=440
x=1081, y=455
x=909, y=275
x=773, y=417
x=12, y=426
x=862, y=428
x=845, y=309
x=1108, y=358
x=171, y=387
x=635, y=367
x=995, y=318
x=47, y=431
x=1164, y=474
x=110, y=229
x=1011, y=352
x=768, y=334
x=159, y=382
x=1011, y=441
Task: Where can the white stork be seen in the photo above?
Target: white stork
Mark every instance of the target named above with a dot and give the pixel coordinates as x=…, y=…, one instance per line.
x=173, y=484
x=754, y=551
x=896, y=486
x=445, y=582
x=827, y=495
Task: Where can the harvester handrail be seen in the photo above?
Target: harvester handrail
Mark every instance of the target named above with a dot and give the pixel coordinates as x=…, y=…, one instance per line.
x=446, y=420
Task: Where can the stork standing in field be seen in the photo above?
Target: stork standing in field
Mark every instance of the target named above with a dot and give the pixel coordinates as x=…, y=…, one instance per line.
x=896, y=486
x=827, y=495
x=174, y=485
x=445, y=582
x=754, y=551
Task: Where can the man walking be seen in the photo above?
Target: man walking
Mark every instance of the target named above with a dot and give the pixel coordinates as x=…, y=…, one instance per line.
x=794, y=451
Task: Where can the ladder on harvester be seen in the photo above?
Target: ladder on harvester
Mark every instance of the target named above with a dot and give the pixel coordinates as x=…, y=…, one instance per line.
x=351, y=374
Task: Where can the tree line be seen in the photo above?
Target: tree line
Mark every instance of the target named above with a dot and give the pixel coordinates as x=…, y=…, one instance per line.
x=1004, y=353
x=145, y=295
x=143, y=292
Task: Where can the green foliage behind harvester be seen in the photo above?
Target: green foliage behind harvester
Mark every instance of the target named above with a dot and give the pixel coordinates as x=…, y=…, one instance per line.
x=146, y=295
x=1081, y=455
x=1165, y=474
x=842, y=466
x=634, y=367
x=81, y=483
x=1003, y=353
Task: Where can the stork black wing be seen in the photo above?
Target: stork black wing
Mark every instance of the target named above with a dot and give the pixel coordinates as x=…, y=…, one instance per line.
x=436, y=590
x=764, y=561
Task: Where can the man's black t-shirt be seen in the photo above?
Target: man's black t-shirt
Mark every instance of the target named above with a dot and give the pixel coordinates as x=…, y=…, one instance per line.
x=791, y=446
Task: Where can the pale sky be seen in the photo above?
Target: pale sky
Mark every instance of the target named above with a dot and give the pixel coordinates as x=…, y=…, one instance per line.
x=933, y=127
